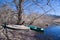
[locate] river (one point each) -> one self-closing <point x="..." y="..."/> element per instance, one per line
<point x="50" y="33"/>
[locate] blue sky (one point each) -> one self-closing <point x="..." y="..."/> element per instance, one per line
<point x="8" y="2"/>
<point x="36" y="9"/>
<point x="55" y="4"/>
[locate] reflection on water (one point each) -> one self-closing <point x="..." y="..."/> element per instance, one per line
<point x="50" y="33"/>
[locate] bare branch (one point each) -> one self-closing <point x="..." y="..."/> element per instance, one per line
<point x="38" y="5"/>
<point x="49" y="4"/>
<point x="39" y="17"/>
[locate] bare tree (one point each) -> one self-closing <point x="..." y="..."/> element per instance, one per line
<point x="19" y="8"/>
<point x="45" y="12"/>
<point x="19" y="5"/>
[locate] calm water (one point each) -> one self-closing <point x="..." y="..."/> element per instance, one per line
<point x="50" y="33"/>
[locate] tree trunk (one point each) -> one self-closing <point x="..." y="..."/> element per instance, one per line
<point x="19" y="12"/>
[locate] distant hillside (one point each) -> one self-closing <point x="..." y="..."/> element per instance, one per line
<point x="55" y="16"/>
<point x="56" y="19"/>
<point x="40" y="21"/>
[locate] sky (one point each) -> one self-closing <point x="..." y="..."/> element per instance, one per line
<point x="55" y="4"/>
<point x="30" y="7"/>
